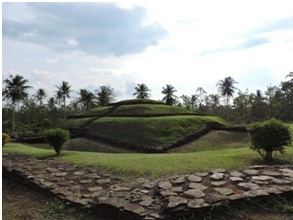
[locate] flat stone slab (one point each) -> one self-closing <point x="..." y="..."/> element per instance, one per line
<point x="197" y="186"/>
<point x="175" y="201"/>
<point x="224" y="191"/>
<point x="250" y="172"/>
<point x="218" y="176"/>
<point x="256" y="193"/>
<point x="103" y="181"/>
<point x="248" y="186"/>
<point x="85" y="181"/>
<point x="147" y="201"/>
<point x="236" y="179"/>
<point x="116" y="202"/>
<point x="194" y="193"/>
<point x="262" y="178"/>
<point x="194" y="178"/>
<point x="272" y="173"/>
<point x="60" y="174"/>
<point x="218" y="183"/>
<point x="179" y="180"/>
<point x="195" y="203"/>
<point x="137" y="209"/>
<point x="95" y="188"/>
<point x="165" y="185"/>
<point x="168" y="193"/>
<point x="236" y="173"/>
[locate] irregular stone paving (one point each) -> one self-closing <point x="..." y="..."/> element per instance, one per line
<point x="150" y="199"/>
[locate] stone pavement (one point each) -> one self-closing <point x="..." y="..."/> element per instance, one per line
<point x="148" y="198"/>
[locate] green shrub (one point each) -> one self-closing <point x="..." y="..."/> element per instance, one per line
<point x="269" y="136"/>
<point x="5" y="139"/>
<point x="56" y="138"/>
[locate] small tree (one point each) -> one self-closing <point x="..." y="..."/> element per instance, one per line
<point x="269" y="136"/>
<point x="5" y="139"/>
<point x="56" y="138"/>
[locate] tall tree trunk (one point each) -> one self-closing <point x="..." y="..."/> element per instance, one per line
<point x="13" y="117"/>
<point x="64" y="102"/>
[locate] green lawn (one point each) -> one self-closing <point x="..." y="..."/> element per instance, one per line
<point x="156" y="165"/>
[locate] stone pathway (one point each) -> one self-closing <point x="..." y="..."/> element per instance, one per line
<point x="145" y="198"/>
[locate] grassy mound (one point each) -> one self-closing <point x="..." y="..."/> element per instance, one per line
<point x="149" y="132"/>
<point x="142" y="125"/>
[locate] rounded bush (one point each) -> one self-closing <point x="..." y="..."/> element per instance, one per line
<point x="269" y="136"/>
<point x="56" y="138"/>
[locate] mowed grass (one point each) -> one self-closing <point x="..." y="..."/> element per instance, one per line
<point x="146" y="109"/>
<point x="149" y="131"/>
<point x="216" y="140"/>
<point x="156" y="165"/>
<point x="71" y="123"/>
<point x="97" y="111"/>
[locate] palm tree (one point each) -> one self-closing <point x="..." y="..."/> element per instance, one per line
<point x="86" y="98"/>
<point x="141" y="91"/>
<point x="51" y="104"/>
<point x="105" y="95"/>
<point x="226" y="88"/>
<point x="169" y="97"/>
<point x="63" y="93"/>
<point x="40" y="95"/>
<point x="290" y="75"/>
<point x="15" y="90"/>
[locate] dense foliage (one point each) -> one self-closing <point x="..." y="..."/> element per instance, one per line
<point x="56" y="138"/>
<point x="269" y="136"/>
<point x="5" y="139"/>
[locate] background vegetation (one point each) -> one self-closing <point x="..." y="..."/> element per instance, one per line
<point x="22" y="112"/>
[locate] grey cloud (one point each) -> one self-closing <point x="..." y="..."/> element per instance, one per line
<point x="250" y="43"/>
<point x="281" y="24"/>
<point x="98" y="28"/>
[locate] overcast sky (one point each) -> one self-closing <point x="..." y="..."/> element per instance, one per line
<point x="187" y="44"/>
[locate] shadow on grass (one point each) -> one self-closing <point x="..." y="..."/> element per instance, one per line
<point x="275" y="161"/>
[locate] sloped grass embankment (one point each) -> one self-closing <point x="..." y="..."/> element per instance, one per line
<point x="149" y="132"/>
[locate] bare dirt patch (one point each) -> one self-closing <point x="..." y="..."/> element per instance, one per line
<point x="20" y="202"/>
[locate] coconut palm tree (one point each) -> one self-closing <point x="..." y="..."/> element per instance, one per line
<point x="86" y="98"/>
<point x="226" y="88"/>
<point x="169" y="97"/>
<point x="105" y="95"/>
<point x="141" y="91"/>
<point x="63" y="92"/>
<point x="290" y="75"/>
<point x="15" y="90"/>
<point x="40" y="95"/>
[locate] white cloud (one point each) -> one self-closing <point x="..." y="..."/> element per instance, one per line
<point x="72" y="42"/>
<point x="187" y="44"/>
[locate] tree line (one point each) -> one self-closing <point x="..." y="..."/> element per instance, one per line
<point x="22" y="112"/>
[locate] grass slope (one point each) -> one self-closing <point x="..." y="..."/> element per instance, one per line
<point x="147" y="109"/>
<point x="156" y="165"/>
<point x="71" y="123"/>
<point x="151" y="131"/>
<point x="96" y="111"/>
<point x="216" y="140"/>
